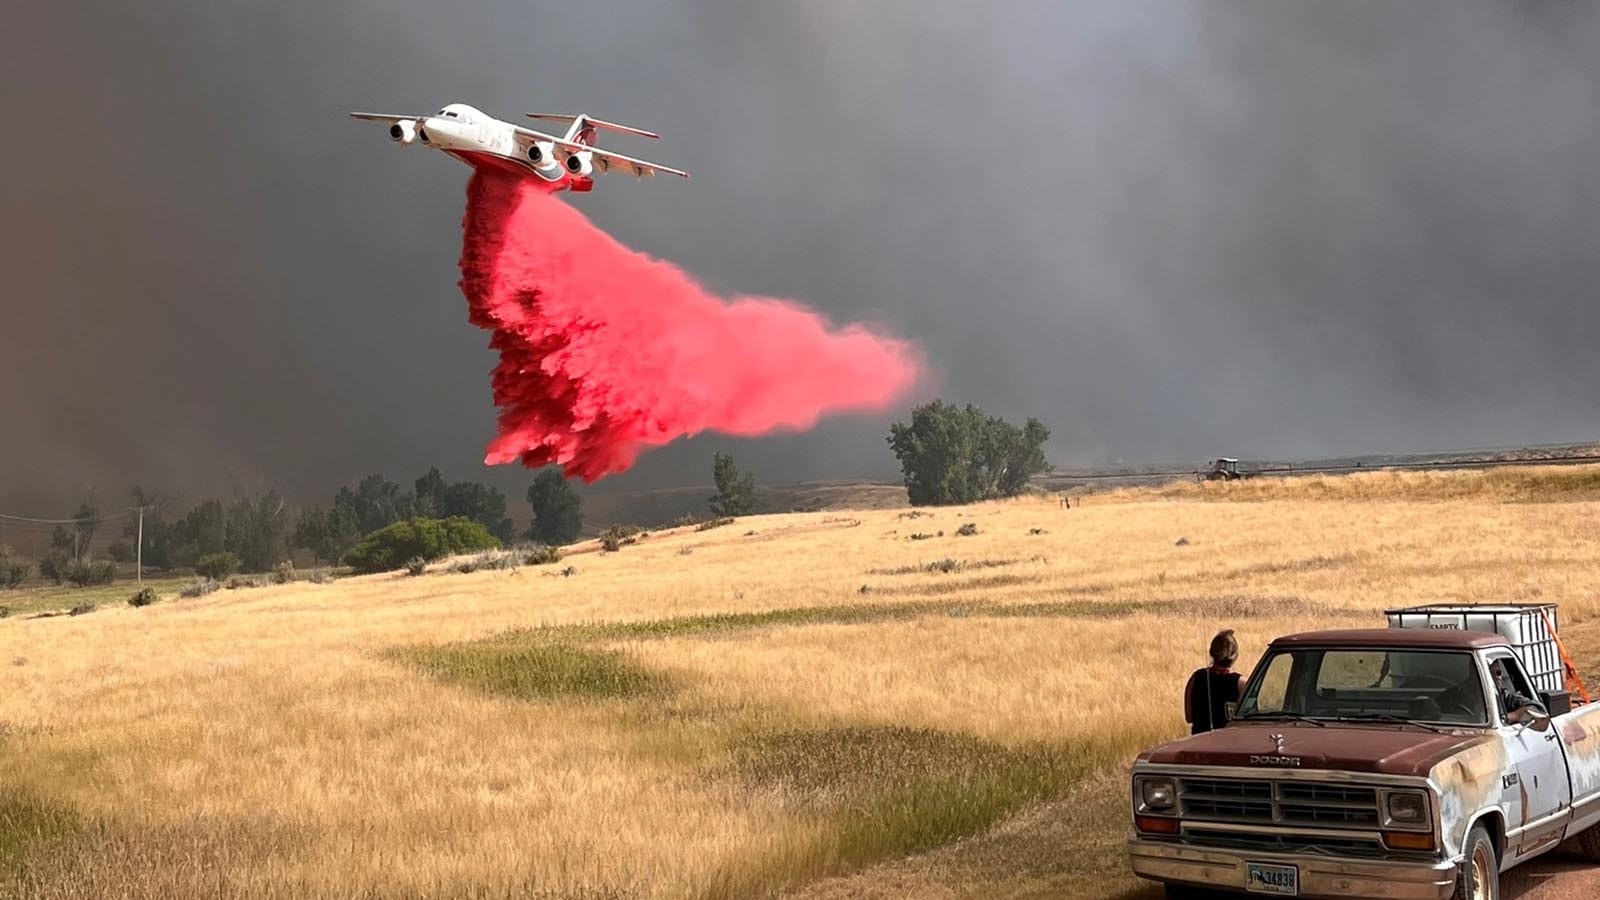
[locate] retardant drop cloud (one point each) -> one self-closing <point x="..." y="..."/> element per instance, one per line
<point x="606" y="352"/>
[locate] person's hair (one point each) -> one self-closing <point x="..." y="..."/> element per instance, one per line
<point x="1224" y="648"/>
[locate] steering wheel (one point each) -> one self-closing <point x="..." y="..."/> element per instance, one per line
<point x="1454" y="707"/>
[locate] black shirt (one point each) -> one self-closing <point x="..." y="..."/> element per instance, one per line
<point x="1207" y="696"/>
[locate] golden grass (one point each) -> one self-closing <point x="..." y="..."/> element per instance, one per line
<point x="293" y="741"/>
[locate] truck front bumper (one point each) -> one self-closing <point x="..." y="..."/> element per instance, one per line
<point x="1320" y="876"/>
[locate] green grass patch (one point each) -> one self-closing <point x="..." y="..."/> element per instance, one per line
<point x="842" y="614"/>
<point x="544" y="670"/>
<point x="36" y="596"/>
<point x="884" y="791"/>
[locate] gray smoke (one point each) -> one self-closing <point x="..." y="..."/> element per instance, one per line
<point x="1171" y="230"/>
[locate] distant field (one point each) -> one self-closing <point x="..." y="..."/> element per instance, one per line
<point x="36" y="598"/>
<point x="860" y="704"/>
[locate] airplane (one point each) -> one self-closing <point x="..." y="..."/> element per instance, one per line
<point x="475" y="138"/>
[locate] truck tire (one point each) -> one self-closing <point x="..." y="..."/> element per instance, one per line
<point x="1480" y="874"/>
<point x="1586" y="844"/>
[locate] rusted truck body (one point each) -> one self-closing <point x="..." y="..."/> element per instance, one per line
<point x="1385" y="763"/>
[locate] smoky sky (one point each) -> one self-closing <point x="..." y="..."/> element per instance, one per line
<point x="1171" y="230"/>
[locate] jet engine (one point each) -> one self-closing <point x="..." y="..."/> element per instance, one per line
<point x="581" y="163"/>
<point x="542" y="153"/>
<point x="403" y="131"/>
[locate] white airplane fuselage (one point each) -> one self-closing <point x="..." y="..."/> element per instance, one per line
<point x="478" y="139"/>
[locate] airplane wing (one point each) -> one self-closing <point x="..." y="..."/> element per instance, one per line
<point x="598" y="123"/>
<point x="604" y="160"/>
<point x="384" y="117"/>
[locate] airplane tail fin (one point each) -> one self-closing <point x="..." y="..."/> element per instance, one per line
<point x="581" y="128"/>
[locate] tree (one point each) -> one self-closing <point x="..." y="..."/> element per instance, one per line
<point x="557" y="509"/>
<point x="62" y="539"/>
<point x="258" y="532"/>
<point x="87" y="521"/>
<point x="430" y="494"/>
<point x="121" y="551"/>
<point x="203" y="531"/>
<point x="482" y="504"/>
<point x="327" y="533"/>
<point x="953" y="455"/>
<point x="157" y="530"/>
<point x="736" y="491"/>
<point x="376" y="503"/>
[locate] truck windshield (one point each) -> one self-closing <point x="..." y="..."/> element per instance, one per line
<point x="1437" y="687"/>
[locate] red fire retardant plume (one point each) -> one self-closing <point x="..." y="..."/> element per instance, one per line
<point x="605" y="352"/>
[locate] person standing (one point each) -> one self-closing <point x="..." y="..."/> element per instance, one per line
<point x="1212" y="688"/>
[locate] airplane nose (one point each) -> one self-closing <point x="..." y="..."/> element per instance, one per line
<point x="439" y="130"/>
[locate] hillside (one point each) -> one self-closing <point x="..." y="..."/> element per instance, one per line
<point x="826" y="703"/>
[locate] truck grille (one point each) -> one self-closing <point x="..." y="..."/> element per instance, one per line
<point x="1287" y="843"/>
<point x="1263" y="802"/>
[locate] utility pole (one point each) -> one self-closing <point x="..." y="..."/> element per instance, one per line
<point x="138" y="570"/>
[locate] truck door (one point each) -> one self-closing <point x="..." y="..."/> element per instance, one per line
<point x="1536" y="757"/>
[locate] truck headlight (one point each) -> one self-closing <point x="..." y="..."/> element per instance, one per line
<point x="1158" y="795"/>
<point x="1407" y="810"/>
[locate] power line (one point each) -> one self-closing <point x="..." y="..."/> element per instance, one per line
<point x="77" y="521"/>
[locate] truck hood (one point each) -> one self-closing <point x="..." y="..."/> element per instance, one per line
<point x="1384" y="749"/>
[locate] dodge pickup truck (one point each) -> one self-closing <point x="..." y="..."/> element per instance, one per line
<point x="1387" y="763"/>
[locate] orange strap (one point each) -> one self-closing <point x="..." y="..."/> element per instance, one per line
<point x="1574" y="680"/>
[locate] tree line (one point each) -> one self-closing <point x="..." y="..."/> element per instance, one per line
<point x="948" y="454"/>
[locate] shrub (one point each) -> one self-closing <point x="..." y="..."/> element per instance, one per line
<point x="82" y="609"/>
<point x="216" y="566"/>
<point x="199" y="588"/>
<point x="83" y="573"/>
<point x="416" y="565"/>
<point x="968" y="529"/>
<point x="542" y="556"/>
<point x="245" y="581"/>
<point x="5" y="611"/>
<point x="618" y="536"/>
<point x="490" y="560"/>
<point x="388" y="549"/>
<point x="13" y="572"/>
<point x="321" y="576"/>
<point x="54" y="567"/>
<point x="121" y="551"/>
<point x="714" y="523"/>
<point x="144" y="597"/>
<point x="283" y="572"/>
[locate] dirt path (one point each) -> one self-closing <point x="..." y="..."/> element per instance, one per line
<point x="1555" y="878"/>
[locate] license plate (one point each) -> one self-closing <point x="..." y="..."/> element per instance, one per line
<point x="1264" y="879"/>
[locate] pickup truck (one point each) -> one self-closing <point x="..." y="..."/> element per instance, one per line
<point x="1387" y="763"/>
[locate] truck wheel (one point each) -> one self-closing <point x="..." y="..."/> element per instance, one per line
<point x="1480" y="874"/>
<point x="1586" y="844"/>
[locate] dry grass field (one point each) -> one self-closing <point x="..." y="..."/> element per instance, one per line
<point x="835" y="704"/>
